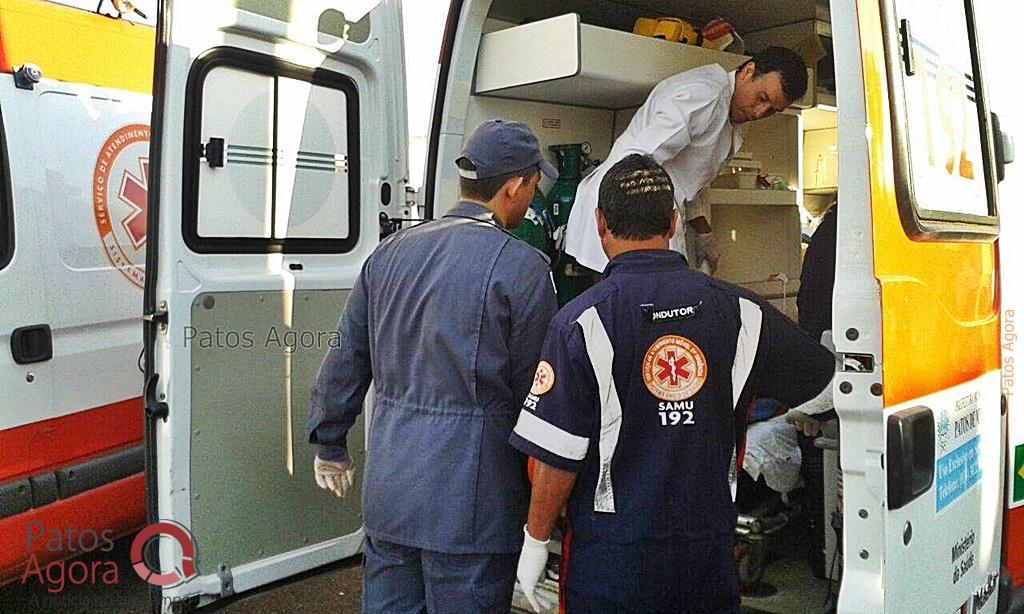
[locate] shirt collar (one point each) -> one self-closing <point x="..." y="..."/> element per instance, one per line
<point x="738" y="131"/>
<point x="474" y="211"/>
<point x="645" y="260"/>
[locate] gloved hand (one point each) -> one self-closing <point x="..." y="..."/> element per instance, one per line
<point x="532" y="561"/>
<point x="705" y="249"/>
<point x="808" y="425"/>
<point x="333" y="476"/>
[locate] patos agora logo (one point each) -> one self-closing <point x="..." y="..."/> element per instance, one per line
<point x="180" y="574"/>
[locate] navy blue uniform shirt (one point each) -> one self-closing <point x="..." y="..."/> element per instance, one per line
<point x="643" y="389"/>
<point x="447" y="320"/>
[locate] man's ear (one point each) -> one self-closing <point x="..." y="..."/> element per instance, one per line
<point x="602" y="224"/>
<point x="672" y="224"/>
<point x="512" y="186"/>
<point x="748" y="71"/>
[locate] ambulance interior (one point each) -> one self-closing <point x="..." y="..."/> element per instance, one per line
<point x="576" y="73"/>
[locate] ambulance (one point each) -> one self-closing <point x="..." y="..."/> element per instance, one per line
<point x="277" y="159"/>
<point x="74" y="151"/>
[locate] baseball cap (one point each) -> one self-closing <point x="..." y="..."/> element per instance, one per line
<point x="498" y="147"/>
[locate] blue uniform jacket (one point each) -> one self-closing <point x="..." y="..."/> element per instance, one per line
<point x="643" y="391"/>
<point x="447" y="320"/>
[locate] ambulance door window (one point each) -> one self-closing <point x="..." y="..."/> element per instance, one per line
<point x="6" y="207"/>
<point x="236" y="182"/>
<point x="942" y="147"/>
<point x="276" y="167"/>
<point x="312" y="175"/>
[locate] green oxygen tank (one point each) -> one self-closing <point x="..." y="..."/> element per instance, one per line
<point x="571" y="279"/>
<point x="536" y="229"/>
<point x="571" y="158"/>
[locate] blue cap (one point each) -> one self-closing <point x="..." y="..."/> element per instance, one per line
<point x="498" y="147"/>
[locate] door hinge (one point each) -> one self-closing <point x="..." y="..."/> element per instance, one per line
<point x="157" y="316"/>
<point x="27" y="76"/>
<point x="155" y="407"/>
<point x="227" y="583"/>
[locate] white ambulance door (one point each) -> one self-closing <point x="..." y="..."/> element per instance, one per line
<point x="278" y="140"/>
<point x="916" y="316"/>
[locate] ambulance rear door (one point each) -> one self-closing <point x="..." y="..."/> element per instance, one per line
<point x="279" y="139"/>
<point x="916" y="318"/>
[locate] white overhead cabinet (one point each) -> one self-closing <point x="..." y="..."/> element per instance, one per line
<point x="564" y="61"/>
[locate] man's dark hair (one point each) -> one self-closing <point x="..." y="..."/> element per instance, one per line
<point x="791" y="68"/>
<point x="485" y="189"/>
<point x="636" y="198"/>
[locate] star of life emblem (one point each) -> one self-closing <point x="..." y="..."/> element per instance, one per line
<point x="120" y="191"/>
<point x="674" y="368"/>
<point x="543" y="379"/>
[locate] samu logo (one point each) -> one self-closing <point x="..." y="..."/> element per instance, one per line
<point x="157" y="577"/>
<point x="120" y="188"/>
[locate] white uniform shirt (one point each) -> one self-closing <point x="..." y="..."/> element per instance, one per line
<point x="684" y="125"/>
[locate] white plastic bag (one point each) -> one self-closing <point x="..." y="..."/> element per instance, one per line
<point x="773" y="451"/>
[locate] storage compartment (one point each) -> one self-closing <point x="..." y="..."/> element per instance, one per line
<point x="564" y="61"/>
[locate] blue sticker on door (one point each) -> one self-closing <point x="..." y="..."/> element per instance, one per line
<point x="956" y="473"/>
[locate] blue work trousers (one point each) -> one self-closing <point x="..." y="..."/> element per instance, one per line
<point x="403" y="580"/>
<point x="661" y="577"/>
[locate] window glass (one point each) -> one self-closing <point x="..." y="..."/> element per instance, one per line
<point x="286" y="164"/>
<point x="312" y="174"/>
<point x="236" y="200"/>
<point x="944" y="139"/>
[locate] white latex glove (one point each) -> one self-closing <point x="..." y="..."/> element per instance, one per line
<point x="705" y="249"/>
<point x="333" y="476"/>
<point x="532" y="561"/>
<point x="804" y="423"/>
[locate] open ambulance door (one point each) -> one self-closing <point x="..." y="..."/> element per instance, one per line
<point x="279" y="138"/>
<point x="916" y="317"/>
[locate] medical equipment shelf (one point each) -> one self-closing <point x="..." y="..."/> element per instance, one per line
<point x="563" y="61"/>
<point x="726" y="196"/>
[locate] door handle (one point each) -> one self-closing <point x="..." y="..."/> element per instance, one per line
<point x="910" y="455"/>
<point x="32" y="344"/>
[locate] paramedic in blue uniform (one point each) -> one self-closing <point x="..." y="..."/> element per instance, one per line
<point x="447" y="320"/>
<point x="637" y="410"/>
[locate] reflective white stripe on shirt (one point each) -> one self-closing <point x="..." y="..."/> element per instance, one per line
<point x="743" y="362"/>
<point x="733" y="474"/>
<point x="548" y="436"/>
<point x="746" y="347"/>
<point x="599" y="349"/>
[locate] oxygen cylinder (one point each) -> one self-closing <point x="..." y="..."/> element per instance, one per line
<point x="570" y="278"/>
<point x="536" y="228"/>
<point x="570" y="158"/>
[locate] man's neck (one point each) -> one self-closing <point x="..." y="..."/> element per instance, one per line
<point x="489" y="206"/>
<point x="617" y="247"/>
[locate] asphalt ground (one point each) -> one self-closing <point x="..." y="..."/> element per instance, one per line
<point x="337" y="590"/>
